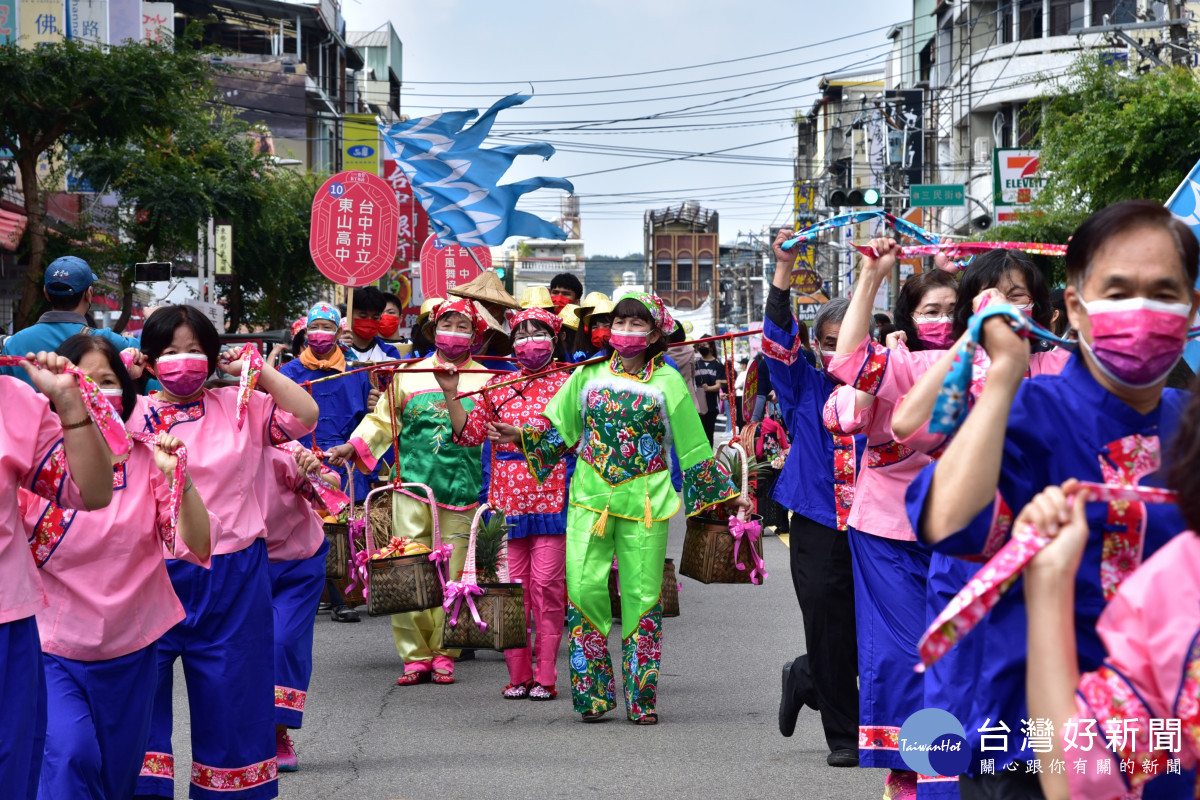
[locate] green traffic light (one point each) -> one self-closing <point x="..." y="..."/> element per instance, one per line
<point x="870" y="196"/>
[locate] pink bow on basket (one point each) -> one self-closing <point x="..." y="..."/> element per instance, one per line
<point x="751" y="531"/>
<point x="440" y="556"/>
<point x="178" y="479"/>
<point x="455" y="592"/>
<point x="984" y="590"/>
<point x="252" y="365"/>
<point x="111" y="426"/>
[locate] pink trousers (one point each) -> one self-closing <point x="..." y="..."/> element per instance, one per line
<point x="539" y="562"/>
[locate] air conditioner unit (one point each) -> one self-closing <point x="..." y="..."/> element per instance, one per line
<point x="983" y="149"/>
<point x="570" y="258"/>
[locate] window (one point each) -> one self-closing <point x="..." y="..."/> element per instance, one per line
<point x="1031" y="19"/>
<point x="683" y="272"/>
<point x="1065" y="15"/>
<point x="662" y="273"/>
<point x="1117" y="11"/>
<point x="1005" y="17"/>
<point x="704" y="276"/>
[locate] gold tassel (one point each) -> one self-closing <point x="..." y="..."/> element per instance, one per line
<point x="648" y="517"/>
<point x="601" y="523"/>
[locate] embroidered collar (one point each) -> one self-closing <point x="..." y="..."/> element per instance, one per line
<point x="162" y="419"/>
<point x="617" y="367"/>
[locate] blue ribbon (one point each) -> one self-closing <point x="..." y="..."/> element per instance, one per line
<point x="950" y="408"/>
<point x="902" y="226"/>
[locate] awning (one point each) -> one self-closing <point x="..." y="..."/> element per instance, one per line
<point x="12" y="228"/>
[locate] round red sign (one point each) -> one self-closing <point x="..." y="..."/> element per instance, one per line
<point x="352" y="238"/>
<point x="444" y="266"/>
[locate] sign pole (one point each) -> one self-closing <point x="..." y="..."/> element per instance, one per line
<point x="475" y="258"/>
<point x="350" y="308"/>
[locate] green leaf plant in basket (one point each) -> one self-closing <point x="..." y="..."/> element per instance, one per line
<point x="489" y="547"/>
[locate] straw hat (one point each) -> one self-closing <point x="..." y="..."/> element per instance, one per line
<point x="427" y="308"/>
<point x="596" y="303"/>
<point x="536" y="297"/>
<point x="488" y="288"/>
<point x="571" y="316"/>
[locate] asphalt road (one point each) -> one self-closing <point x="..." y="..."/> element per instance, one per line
<point x="365" y="738"/>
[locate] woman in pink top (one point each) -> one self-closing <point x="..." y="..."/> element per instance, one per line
<point x="29" y="430"/>
<point x="1149" y="685"/>
<point x="227" y="668"/>
<point x="110" y="598"/>
<point x="296" y="550"/>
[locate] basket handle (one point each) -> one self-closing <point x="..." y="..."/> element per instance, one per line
<point x="736" y="447"/>
<point x="469" y="575"/>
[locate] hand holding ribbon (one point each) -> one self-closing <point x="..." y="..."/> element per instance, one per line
<point x="178" y="480"/>
<point x="983" y="591"/>
<point x="111" y="426"/>
<point x="247" y="365"/>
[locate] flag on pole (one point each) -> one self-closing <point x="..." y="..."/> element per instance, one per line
<point x="456" y="179"/>
<point x="1185" y="205"/>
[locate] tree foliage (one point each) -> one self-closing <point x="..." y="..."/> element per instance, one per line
<point x="66" y="95"/>
<point x="1106" y="136"/>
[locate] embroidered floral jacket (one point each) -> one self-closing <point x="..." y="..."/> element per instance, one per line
<point x="624" y="426"/>
<point x="1061" y="426"/>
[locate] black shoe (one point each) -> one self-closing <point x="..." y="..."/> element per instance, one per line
<point x="789" y="706"/>
<point x="324" y="606"/>
<point x="842" y="758"/>
<point x="465" y="655"/>
<point x="343" y="614"/>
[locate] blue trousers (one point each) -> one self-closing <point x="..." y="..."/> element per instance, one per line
<point x="889" y="610"/>
<point x="295" y="592"/>
<point x="228" y="669"/>
<point x="98" y="719"/>
<point x="22" y="708"/>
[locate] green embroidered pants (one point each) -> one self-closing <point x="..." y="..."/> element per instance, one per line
<point x="640" y="554"/>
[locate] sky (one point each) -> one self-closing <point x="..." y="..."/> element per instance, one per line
<point x="627" y="53"/>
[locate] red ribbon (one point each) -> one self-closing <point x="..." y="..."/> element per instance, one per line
<point x="178" y="479"/>
<point x="252" y="366"/>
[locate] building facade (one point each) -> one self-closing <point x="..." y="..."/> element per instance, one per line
<point x="682" y="252"/>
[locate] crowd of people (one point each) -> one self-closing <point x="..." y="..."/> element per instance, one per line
<point x="195" y="533"/>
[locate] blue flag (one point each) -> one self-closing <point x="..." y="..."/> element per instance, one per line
<point x="457" y="180"/>
<point x="1185" y="204"/>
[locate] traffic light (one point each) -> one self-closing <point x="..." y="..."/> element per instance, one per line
<point x="506" y="277"/>
<point x="853" y="198"/>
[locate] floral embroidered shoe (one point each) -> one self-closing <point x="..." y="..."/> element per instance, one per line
<point x="516" y="691"/>
<point x="900" y="785"/>
<point x="285" y="752"/>
<point x="540" y="692"/>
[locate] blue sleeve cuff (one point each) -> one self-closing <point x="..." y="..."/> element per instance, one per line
<point x="970" y="541"/>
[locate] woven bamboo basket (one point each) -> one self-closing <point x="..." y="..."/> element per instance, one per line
<point x="337" y="560"/>
<point x="500" y="607"/>
<point x="399" y="584"/>
<point x="669" y="597"/>
<point x="708" y="546"/>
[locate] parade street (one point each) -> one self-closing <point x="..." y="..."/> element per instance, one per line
<point x="365" y="738"/>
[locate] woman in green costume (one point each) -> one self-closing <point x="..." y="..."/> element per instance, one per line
<point x="623" y="415"/>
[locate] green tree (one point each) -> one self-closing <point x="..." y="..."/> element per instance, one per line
<point x="69" y="95"/>
<point x="1108" y="137"/>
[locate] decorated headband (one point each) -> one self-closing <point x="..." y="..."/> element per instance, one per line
<point x="111" y="426"/>
<point x="950" y="408"/>
<point x="465" y="307"/>
<point x="535" y="314"/>
<point x="658" y="311"/>
<point x="178" y="479"/>
<point x="324" y="311"/>
<point x="983" y="591"/>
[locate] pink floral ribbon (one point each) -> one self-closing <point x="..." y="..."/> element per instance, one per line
<point x="111" y="426"/>
<point x="440" y="556"/>
<point x="334" y="501"/>
<point x="178" y="480"/>
<point x="455" y="592"/>
<point x="359" y="559"/>
<point x="252" y="366"/>
<point x="957" y="250"/>
<point x="983" y="591"/>
<point x="750" y="531"/>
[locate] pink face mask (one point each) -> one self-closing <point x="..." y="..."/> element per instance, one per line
<point x="453" y="345"/>
<point x="629" y="343"/>
<point x="116" y="399"/>
<point x="321" y="341"/>
<point x="534" y="352"/>
<point x="182" y="374"/>
<point x="1136" y="342"/>
<point x="935" y="333"/>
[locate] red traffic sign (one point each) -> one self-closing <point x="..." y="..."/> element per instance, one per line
<point x="352" y="238"/>
<point x="444" y="266"/>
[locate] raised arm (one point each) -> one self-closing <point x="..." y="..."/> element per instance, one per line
<point x="88" y="458"/>
<point x="856" y="326"/>
<point x="288" y="395"/>
<point x="968" y="473"/>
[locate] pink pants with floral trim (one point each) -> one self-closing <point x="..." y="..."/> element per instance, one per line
<point x="539" y="562"/>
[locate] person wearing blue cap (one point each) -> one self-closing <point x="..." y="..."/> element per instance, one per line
<point x="68" y="287"/>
